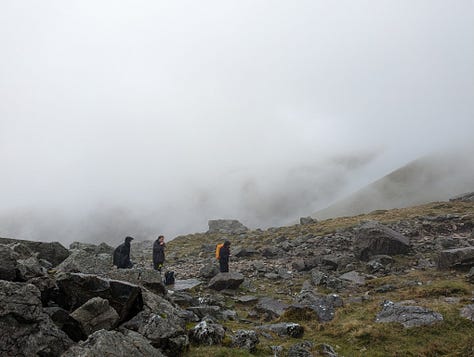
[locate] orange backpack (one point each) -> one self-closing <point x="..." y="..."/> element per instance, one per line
<point x="218" y="250"/>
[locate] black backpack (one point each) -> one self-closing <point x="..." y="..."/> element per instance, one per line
<point x="169" y="278"/>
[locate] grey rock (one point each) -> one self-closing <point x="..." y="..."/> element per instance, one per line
<point x="223" y="281"/>
<point x="63" y="320"/>
<point x="209" y="270"/>
<point x="164" y="332"/>
<point x="82" y="261"/>
<point x="470" y="275"/>
<point x="284" y="329"/>
<point x="323" y="305"/>
<point x="102" y="343"/>
<point x="92" y="248"/>
<point x="207" y="332"/>
<point x="24" y="329"/>
<point x="301" y="349"/>
<point x="270" y="307"/>
<point x="373" y="238"/>
<point x="456" y="258"/>
<point x="326" y="350"/>
<point x="53" y="252"/>
<point x="308" y="220"/>
<point x="353" y="277"/>
<point x="468" y="312"/>
<point x="464" y="197"/>
<point x="96" y="314"/>
<point x="270" y="252"/>
<point x="211" y="310"/>
<point x="226" y="226"/>
<point x="408" y="316"/>
<point x="245" y="339"/>
<point x="8" y="263"/>
<point x="29" y="268"/>
<point x="76" y="289"/>
<point x="148" y="278"/>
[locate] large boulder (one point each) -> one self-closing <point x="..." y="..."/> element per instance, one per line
<point x="223" y="281"/>
<point x="63" y="320"/>
<point x="96" y="314"/>
<point x="456" y="258"/>
<point x="92" y="248"/>
<point x="209" y="270"/>
<point x="76" y="289"/>
<point x="290" y="329"/>
<point x="114" y="343"/>
<point x="408" y="316"/>
<point x="54" y="252"/>
<point x="207" y="332"/>
<point x="82" y="261"/>
<point x="29" y="268"/>
<point x="148" y="278"/>
<point x="373" y="238"/>
<point x="24" y="329"/>
<point x="226" y="226"/>
<point x="270" y="308"/>
<point x="323" y="305"/>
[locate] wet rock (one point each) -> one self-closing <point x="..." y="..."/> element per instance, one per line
<point x="24" y="329"/>
<point x="408" y="316"/>
<point x="271" y="308"/>
<point x="96" y="314"/>
<point x="373" y="238"/>
<point x="76" y="289"/>
<point x="468" y="312"/>
<point x="102" y="342"/>
<point x="456" y="258"/>
<point x="53" y="252"/>
<point x="207" y="332"/>
<point x="223" y="281"/>
<point x="284" y="329"/>
<point x="245" y="339"/>
<point x="226" y="226"/>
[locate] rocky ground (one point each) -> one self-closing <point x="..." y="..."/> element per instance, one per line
<point x="389" y="283"/>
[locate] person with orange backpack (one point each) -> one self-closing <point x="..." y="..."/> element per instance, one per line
<point x="223" y="254"/>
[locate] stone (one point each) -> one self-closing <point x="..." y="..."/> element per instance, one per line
<point x="301" y="349"/>
<point x="53" y="252"/>
<point x="307" y="220"/>
<point x="223" y="281"/>
<point x="270" y="307"/>
<point x="63" y="320"/>
<point x="284" y="329"/>
<point x="323" y="305"/>
<point x="408" y="316"/>
<point x="456" y="258"/>
<point x="207" y="332"/>
<point x="92" y="248"/>
<point x="29" y="268"/>
<point x="470" y="276"/>
<point x="76" y="289"/>
<point x="24" y="329"/>
<point x="245" y="339"/>
<point x="468" y="312"/>
<point x="209" y="270"/>
<point x="464" y="197"/>
<point x="226" y="226"/>
<point x="353" y="277"/>
<point x="82" y="261"/>
<point x="103" y="342"/>
<point x="96" y="314"/>
<point x="270" y="252"/>
<point x="8" y="263"/>
<point x="373" y="238"/>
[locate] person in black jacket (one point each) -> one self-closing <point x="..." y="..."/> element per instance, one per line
<point x="224" y="255"/>
<point x="122" y="255"/>
<point x="159" y="253"/>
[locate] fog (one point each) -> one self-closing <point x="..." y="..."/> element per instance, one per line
<point x="151" y="117"/>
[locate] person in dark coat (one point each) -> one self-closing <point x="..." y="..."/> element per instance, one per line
<point x="159" y="253"/>
<point x="122" y="255"/>
<point x="224" y="255"/>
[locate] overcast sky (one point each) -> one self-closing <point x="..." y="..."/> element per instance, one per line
<point x="147" y="117"/>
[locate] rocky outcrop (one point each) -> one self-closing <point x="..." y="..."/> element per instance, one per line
<point x="53" y="252"/>
<point x="24" y="329"/>
<point x="373" y="238"/>
<point x="323" y="305"/>
<point x="226" y="226"/>
<point x="464" y="197"/>
<point x="456" y="258"/>
<point x="92" y="248"/>
<point x="408" y="316"/>
<point x="245" y="339"/>
<point x="270" y="308"/>
<point x="81" y="261"/>
<point x="307" y="220"/>
<point x="8" y="263"/>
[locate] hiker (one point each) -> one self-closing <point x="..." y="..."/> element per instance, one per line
<point x="224" y="254"/>
<point x="159" y="253"/>
<point x="122" y="255"/>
